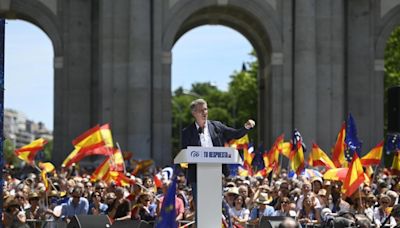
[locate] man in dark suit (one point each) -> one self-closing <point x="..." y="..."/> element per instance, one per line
<point x="208" y="133"/>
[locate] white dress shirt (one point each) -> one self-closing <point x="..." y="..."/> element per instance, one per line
<point x="205" y="137"/>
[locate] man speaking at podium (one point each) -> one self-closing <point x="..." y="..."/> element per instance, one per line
<point x="208" y="133"/>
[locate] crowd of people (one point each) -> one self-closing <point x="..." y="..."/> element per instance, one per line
<point x="245" y="200"/>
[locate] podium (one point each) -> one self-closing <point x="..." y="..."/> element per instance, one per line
<point x="209" y="162"/>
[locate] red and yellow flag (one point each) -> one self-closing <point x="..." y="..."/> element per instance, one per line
<point x="91" y="138"/>
<point x="46" y="166"/>
<point x="43" y="174"/>
<point x="355" y="176"/>
<point x="120" y="179"/>
<point x="338" y="157"/>
<point x="102" y="171"/>
<point x="396" y="164"/>
<point x="374" y="156"/>
<point x="319" y="158"/>
<point x="297" y="159"/>
<point x="95" y="141"/>
<point x="241" y="143"/>
<point x="117" y="161"/>
<point x="285" y="148"/>
<point x="245" y="170"/>
<point x="273" y="154"/>
<point x="28" y="152"/>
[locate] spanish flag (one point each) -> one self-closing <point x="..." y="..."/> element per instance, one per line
<point x="95" y="141"/>
<point x="117" y="161"/>
<point x="273" y="154"/>
<point x="28" y="152"/>
<point x="374" y="156"/>
<point x="396" y="164"/>
<point x="142" y="166"/>
<point x="90" y="138"/>
<point x="319" y="158"/>
<point x="102" y="171"/>
<point x="47" y="166"/>
<point x="297" y="159"/>
<point x="355" y="176"/>
<point x="241" y="143"/>
<point x="43" y="174"/>
<point x="120" y="179"/>
<point x="285" y="148"/>
<point x="338" y="157"/>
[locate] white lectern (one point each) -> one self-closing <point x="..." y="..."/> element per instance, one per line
<point x="209" y="162"/>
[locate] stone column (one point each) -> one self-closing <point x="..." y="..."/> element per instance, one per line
<point x="139" y="80"/>
<point x="305" y="99"/>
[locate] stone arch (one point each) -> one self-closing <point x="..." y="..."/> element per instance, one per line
<point x="255" y="20"/>
<point x="39" y="15"/>
<point x="389" y="22"/>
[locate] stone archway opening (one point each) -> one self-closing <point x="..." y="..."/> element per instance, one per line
<point x="392" y="67"/>
<point x="247" y="24"/>
<point x="29" y="84"/>
<point x="212" y="62"/>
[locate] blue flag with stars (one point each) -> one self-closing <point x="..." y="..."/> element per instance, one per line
<point x="258" y="160"/>
<point x="167" y="217"/>
<point x="392" y="143"/>
<point x="353" y="145"/>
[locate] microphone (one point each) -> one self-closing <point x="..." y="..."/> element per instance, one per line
<point x="200" y="130"/>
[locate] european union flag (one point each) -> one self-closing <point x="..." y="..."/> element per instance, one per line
<point x="392" y="143"/>
<point x="167" y="217"/>
<point x="353" y="145"/>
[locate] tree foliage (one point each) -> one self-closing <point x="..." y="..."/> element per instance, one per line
<point x="233" y="107"/>
<point x="9" y="156"/>
<point x="392" y="65"/>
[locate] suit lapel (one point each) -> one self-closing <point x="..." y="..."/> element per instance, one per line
<point x="195" y="135"/>
<point x="213" y="135"/>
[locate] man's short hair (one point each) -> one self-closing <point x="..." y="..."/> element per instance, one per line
<point x="196" y="102"/>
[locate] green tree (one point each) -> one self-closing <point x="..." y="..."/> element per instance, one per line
<point x="9" y="155"/>
<point x="244" y="93"/>
<point x="48" y="150"/>
<point x="233" y="107"/>
<point x="392" y="65"/>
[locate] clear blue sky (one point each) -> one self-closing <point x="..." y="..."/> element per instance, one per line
<point x="204" y="54"/>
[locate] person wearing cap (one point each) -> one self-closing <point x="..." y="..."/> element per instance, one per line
<point x="13" y="216"/>
<point x="230" y="195"/>
<point x="382" y="213"/>
<point x="34" y="211"/>
<point x="316" y="184"/>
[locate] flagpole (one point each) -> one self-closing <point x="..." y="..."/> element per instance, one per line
<point x="359" y="195"/>
<point x="374" y="174"/>
<point x="51" y="182"/>
<point x="123" y="163"/>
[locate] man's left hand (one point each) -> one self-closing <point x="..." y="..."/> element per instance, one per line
<point x="250" y="124"/>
